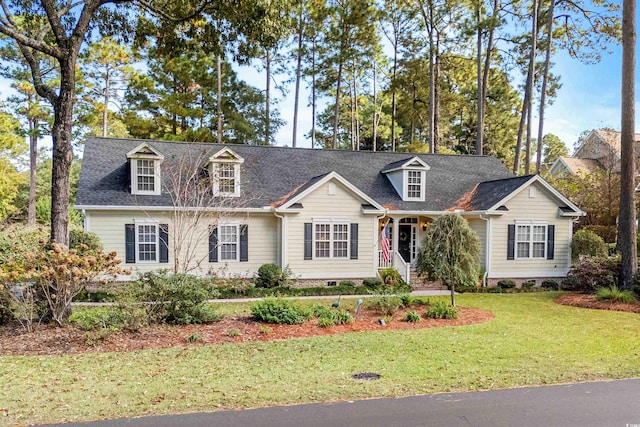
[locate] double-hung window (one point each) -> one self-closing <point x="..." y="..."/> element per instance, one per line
<point x="414" y="184"/>
<point x="147" y="239"/>
<point x="226" y="179"/>
<point x="331" y="240"/>
<point x="531" y="240"/>
<point x="229" y="242"/>
<point x="145" y="176"/>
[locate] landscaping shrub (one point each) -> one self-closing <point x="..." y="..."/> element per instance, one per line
<point x="587" y="243"/>
<point x="606" y="232"/>
<point x="325" y="322"/>
<point x="390" y="276"/>
<point x="347" y="284"/>
<point x="385" y="304"/>
<point x="590" y="274"/>
<point x="276" y="310"/>
<point x="176" y="299"/>
<point x="95" y="318"/>
<point x="328" y="317"/>
<point x="5" y="310"/>
<point x="407" y="300"/>
<point x="528" y="285"/>
<point x="55" y="275"/>
<point x="466" y="288"/>
<point x="372" y="282"/>
<point x="271" y="276"/>
<point x="412" y="316"/>
<point x="440" y="310"/>
<point x="549" y="284"/>
<point x="506" y="284"/>
<point x="613" y="294"/>
<point x="78" y="238"/>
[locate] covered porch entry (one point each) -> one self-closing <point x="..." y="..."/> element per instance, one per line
<point x="399" y="241"/>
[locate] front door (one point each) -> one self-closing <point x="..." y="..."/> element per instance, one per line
<point x="404" y="242"/>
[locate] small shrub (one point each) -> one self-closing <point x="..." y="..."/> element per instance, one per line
<point x="5" y="310"/>
<point x="264" y="330"/>
<point x="407" y="300"/>
<point x="372" y="282"/>
<point x="528" y="285"/>
<point x="280" y="311"/>
<point x="613" y="294"/>
<point x="390" y="276"/>
<point x="587" y="243"/>
<point x="385" y="304"/>
<point x="342" y="317"/>
<point x="96" y="336"/>
<point x="176" y="299"/>
<point x="80" y="238"/>
<point x="271" y="276"/>
<point x="94" y="318"/>
<point x="440" y="310"/>
<point x="507" y="284"/>
<point x="235" y="332"/>
<point x="466" y="288"/>
<point x="325" y="322"/>
<point x="347" y="284"/>
<point x="590" y="274"/>
<point x="337" y="317"/>
<point x="412" y="316"/>
<point x="549" y="284"/>
<point x="195" y="337"/>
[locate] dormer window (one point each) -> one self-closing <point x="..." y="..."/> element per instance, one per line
<point x="225" y="173"/>
<point x="408" y="178"/>
<point x="415" y="181"/>
<point x="145" y="170"/>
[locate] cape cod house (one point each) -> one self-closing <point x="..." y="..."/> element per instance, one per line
<point x="319" y="212"/>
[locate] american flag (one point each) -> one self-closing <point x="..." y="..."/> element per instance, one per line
<point x="384" y="243"/>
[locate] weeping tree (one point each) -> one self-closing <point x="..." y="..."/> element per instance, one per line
<point x="450" y="252"/>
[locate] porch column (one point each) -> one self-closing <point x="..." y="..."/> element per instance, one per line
<point x="396" y="231"/>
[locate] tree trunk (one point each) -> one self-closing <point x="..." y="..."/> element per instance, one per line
<point x="530" y="81"/>
<point x="336" y="116"/>
<point x="480" y="120"/>
<point x="393" y="96"/>
<point x="436" y="97"/>
<point x="106" y="103"/>
<point x="313" y="95"/>
<point x="62" y="152"/>
<point x="432" y="81"/>
<point x="375" y="109"/>
<point x="298" y="75"/>
<point x="219" y="96"/>
<point x="627" y="223"/>
<point x="545" y="75"/>
<point x="267" y="123"/>
<point x="33" y="164"/>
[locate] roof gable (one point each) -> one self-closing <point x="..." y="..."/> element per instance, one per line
<point x="414" y="162"/>
<point x="226" y="155"/>
<point x="144" y="150"/>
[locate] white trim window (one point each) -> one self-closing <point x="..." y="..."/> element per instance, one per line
<point x="331" y="239"/>
<point x="229" y="242"/>
<point x="145" y="176"/>
<point x="414" y="185"/>
<point x="531" y="241"/>
<point x="147" y="242"/>
<point x="226" y="179"/>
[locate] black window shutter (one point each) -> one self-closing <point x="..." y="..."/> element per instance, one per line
<point x="213" y="244"/>
<point x="164" y="243"/>
<point x="130" y="243"/>
<point x="244" y="243"/>
<point x="551" y="235"/>
<point x="354" y="241"/>
<point x="511" y="241"/>
<point x="308" y="240"/>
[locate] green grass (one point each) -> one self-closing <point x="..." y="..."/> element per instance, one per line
<point x="531" y="341"/>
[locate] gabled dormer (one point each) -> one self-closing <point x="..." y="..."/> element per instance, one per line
<point x="408" y="178"/>
<point x="224" y="169"/>
<point x="144" y="162"/>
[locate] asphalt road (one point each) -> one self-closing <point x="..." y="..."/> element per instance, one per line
<point x="595" y="404"/>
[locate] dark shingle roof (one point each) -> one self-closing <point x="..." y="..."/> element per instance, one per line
<point x="488" y="193"/>
<point x="273" y="174"/>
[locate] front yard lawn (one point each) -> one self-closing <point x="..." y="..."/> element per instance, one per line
<point x="530" y="341"/>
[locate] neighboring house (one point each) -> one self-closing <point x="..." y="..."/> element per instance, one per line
<point x="599" y="150"/>
<point x="320" y="212"/>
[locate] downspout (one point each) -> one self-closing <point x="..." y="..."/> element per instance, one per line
<point x="85" y="221"/>
<point x="283" y="239"/>
<point x="487" y="255"/>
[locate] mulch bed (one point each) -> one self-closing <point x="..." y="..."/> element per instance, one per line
<point x="589" y="301"/>
<point x="49" y="340"/>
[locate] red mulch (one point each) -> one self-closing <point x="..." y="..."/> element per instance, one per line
<point x="589" y="301"/>
<point x="48" y="340"/>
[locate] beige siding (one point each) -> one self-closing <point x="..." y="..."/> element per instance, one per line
<point x="522" y="207"/>
<point x="480" y="227"/>
<point x="318" y="206"/>
<point x="262" y="240"/>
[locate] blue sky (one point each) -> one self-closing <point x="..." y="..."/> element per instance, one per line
<point x="589" y="98"/>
